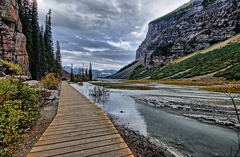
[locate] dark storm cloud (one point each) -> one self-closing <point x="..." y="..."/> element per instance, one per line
<point x="104" y="32"/>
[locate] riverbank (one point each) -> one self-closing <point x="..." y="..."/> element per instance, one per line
<point x="223" y="115"/>
<point x="142" y="146"/>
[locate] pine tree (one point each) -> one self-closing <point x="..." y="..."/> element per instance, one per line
<point x="86" y="73"/>
<point x="25" y="17"/>
<point x="58" y="58"/>
<point x="43" y="60"/>
<point x="90" y="72"/>
<point x="49" y="43"/>
<point x="41" y="55"/>
<point x="71" y="76"/>
<point x="36" y="50"/>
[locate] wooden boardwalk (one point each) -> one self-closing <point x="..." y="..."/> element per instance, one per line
<point x="79" y="129"/>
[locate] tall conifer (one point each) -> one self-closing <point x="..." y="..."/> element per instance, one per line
<point x="58" y="58"/>
<point x="49" y="42"/>
<point x="90" y="72"/>
<point x="36" y="50"/>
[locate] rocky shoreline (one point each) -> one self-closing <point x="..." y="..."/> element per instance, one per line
<point x="143" y="146"/>
<point x="218" y="115"/>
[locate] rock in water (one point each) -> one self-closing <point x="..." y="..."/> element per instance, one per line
<point x="12" y="41"/>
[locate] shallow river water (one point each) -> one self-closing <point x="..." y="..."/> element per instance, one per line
<point x="186" y="135"/>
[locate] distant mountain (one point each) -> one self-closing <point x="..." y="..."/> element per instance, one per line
<point x="96" y="73"/>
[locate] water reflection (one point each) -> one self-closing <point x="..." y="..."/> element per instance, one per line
<point x="101" y="100"/>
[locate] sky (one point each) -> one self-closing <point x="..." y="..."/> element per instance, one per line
<point x="106" y="33"/>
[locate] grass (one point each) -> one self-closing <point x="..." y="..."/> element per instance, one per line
<point x="175" y="82"/>
<point x="122" y="86"/>
<point x="222" y="89"/>
<point x="198" y="65"/>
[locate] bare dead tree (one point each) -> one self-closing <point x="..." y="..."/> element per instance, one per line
<point x="232" y="91"/>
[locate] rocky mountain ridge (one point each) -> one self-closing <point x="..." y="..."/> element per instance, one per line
<point x="192" y="27"/>
<point x="12" y="41"/>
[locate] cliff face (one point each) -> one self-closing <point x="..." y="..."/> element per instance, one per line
<point x="190" y="28"/>
<point x="12" y="41"/>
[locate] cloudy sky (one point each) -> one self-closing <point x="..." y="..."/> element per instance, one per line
<point x="104" y="32"/>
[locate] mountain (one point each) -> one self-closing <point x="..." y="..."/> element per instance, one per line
<point x="13" y="41"/>
<point x="96" y="73"/>
<point x="183" y="33"/>
<point x="194" y="26"/>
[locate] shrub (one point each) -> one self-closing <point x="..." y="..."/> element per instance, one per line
<point x="19" y="111"/>
<point x="10" y="67"/>
<point x="50" y="81"/>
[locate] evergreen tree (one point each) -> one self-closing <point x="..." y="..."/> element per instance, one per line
<point x="71" y="76"/>
<point x="90" y="72"/>
<point x="25" y="17"/>
<point x="58" y="58"/>
<point x="42" y="55"/>
<point x="49" y="43"/>
<point x="36" y="49"/>
<point x="86" y="73"/>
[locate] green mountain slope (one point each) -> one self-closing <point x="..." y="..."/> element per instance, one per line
<point x="224" y="61"/>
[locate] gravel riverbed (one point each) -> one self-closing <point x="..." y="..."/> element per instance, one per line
<point x="223" y="115"/>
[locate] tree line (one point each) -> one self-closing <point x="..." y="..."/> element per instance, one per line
<point x="42" y="58"/>
<point x="84" y="74"/>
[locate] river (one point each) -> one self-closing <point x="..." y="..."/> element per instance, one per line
<point x="184" y="134"/>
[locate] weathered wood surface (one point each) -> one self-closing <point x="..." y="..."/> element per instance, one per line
<point x="80" y="128"/>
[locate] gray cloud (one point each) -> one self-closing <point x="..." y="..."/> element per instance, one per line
<point x="104" y="32"/>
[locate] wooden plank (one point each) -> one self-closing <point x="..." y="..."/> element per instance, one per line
<point x="84" y="149"/>
<point x="76" y="142"/>
<point x="81" y="134"/>
<point x="97" y="151"/>
<point x="97" y="126"/>
<point x="71" y="138"/>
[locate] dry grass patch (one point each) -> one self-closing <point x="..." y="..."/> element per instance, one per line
<point x="122" y="86"/>
<point x="176" y="82"/>
<point x="227" y="88"/>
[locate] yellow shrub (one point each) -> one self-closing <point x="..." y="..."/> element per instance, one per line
<point x="50" y="81"/>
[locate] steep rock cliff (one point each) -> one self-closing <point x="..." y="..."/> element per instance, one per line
<point x="191" y="27"/>
<point x="12" y="41"/>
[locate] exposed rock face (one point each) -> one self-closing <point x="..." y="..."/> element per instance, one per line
<point x="190" y="28"/>
<point x="12" y="41"/>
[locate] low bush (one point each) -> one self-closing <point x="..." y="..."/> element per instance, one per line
<point x="50" y="81"/>
<point x="19" y="110"/>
